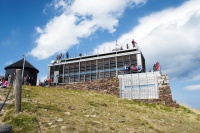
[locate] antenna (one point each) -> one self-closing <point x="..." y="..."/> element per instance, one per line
<point x="116" y="48"/>
<point x="24" y="60"/>
<point x="116" y="44"/>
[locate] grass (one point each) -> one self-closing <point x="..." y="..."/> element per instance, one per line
<point x="61" y="110"/>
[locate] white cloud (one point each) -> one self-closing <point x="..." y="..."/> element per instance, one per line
<point x="38" y="30"/>
<point x="170" y="37"/>
<point x="64" y="30"/>
<point x="192" y="87"/>
<point x="60" y="4"/>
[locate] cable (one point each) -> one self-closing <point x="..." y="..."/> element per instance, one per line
<point x="6" y="98"/>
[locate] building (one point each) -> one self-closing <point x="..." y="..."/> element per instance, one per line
<point x="92" y="67"/>
<point x="28" y="70"/>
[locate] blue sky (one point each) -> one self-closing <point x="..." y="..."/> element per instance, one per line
<point x="166" y="31"/>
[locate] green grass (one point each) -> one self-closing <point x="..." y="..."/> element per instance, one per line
<point x="22" y="122"/>
<point x="87" y="111"/>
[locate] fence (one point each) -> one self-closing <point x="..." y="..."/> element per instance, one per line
<point x="139" y="86"/>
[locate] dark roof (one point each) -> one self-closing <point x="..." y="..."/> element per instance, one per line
<point x="19" y="64"/>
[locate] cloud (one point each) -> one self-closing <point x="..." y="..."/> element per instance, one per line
<point x="170" y="37"/>
<point x="64" y="30"/>
<point x="192" y="87"/>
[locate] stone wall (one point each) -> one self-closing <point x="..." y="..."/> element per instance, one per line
<point x="108" y="85"/>
<point x="165" y="94"/>
<point x="111" y="86"/>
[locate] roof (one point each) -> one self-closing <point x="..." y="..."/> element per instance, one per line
<point x="98" y="56"/>
<point x="19" y="64"/>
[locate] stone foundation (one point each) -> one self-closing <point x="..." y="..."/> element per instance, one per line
<point x="111" y="86"/>
<point x="108" y="85"/>
<point x="165" y="95"/>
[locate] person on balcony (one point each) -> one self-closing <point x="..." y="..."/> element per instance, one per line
<point x="154" y="67"/>
<point x="129" y="68"/>
<point x="157" y="66"/>
<point x="134" y="68"/>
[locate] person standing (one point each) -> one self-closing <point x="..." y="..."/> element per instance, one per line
<point x="125" y="69"/>
<point x="133" y="43"/>
<point x="27" y="79"/>
<point x="129" y="68"/>
<point x="67" y="55"/>
<point x="157" y="66"/>
<point x="127" y="46"/>
<point x="5" y="84"/>
<point x="154" y="67"/>
<point x="134" y="68"/>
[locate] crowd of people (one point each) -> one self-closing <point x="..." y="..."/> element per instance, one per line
<point x="156" y="67"/>
<point x="28" y="80"/>
<point x="46" y="82"/>
<point x="132" y="69"/>
<point x="62" y="56"/>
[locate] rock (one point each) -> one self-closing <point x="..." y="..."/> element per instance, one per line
<point x="87" y="116"/>
<point x="93" y="115"/>
<point x="50" y="124"/>
<point x="71" y="108"/>
<point x="67" y="113"/>
<point x="60" y="120"/>
<point x="45" y="109"/>
<point x="104" y="104"/>
<point x="63" y="127"/>
<point x="121" y="121"/>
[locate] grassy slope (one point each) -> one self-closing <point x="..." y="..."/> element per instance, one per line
<point x="86" y="111"/>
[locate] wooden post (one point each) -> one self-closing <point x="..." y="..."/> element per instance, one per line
<point x="14" y="76"/>
<point x="18" y="90"/>
<point x="9" y="80"/>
